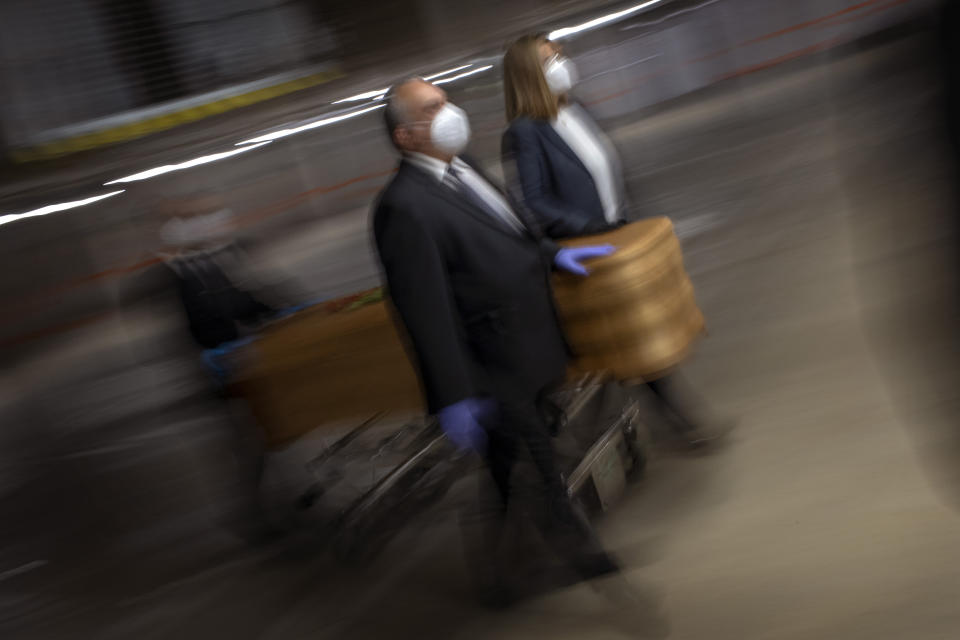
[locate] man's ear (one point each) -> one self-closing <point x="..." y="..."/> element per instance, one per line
<point x="401" y="137"/>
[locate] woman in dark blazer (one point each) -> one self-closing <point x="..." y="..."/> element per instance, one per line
<point x="557" y="159"/>
<point x="565" y="171"/>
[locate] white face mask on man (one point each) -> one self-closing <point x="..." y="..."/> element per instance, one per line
<point x="450" y="129"/>
<point x="561" y="74"/>
<point x="198" y="230"/>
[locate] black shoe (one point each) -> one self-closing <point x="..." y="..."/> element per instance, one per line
<point x="497" y="595"/>
<point x="596" y="565"/>
<point x="701" y="437"/>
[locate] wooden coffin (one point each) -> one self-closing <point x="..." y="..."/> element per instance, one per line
<point x="635" y="316"/>
<point x="319" y="367"/>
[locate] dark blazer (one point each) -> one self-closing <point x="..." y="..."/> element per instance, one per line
<point x="473" y="295"/>
<point x="555" y="185"/>
<point x="215" y="307"/>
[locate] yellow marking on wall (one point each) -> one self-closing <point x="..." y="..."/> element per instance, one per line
<point x="132" y="131"/>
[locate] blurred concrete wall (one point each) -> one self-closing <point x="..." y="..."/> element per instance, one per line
<point x="56" y="66"/>
<point x="240" y="39"/>
<point x="656" y="58"/>
<point x="64" y="62"/>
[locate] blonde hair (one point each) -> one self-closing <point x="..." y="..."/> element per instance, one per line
<point x="525" y="89"/>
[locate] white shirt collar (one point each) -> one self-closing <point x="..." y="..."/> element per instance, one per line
<point x="486" y="191"/>
<point x="434" y="166"/>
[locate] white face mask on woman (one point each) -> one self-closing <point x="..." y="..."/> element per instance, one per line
<point x="450" y="129"/>
<point x="561" y="74"/>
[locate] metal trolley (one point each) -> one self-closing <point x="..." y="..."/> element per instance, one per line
<point x="601" y="442"/>
<point x="377" y="476"/>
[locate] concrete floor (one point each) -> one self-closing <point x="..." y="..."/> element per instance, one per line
<point x="814" y="204"/>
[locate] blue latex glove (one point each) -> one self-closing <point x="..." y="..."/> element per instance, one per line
<point x="569" y="259"/>
<point x="463" y="423"/>
<point x="216" y="359"/>
<point x="289" y="311"/>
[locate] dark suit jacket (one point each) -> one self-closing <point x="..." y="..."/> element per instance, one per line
<point x="214" y="305"/>
<point x="217" y="308"/>
<point x="555" y="185"/>
<point x="473" y="295"/>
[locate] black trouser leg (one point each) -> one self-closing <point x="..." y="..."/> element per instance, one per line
<point x="665" y="390"/>
<point x="523" y="428"/>
<point x="501" y="455"/>
<point x="483" y="523"/>
<point x="248" y="450"/>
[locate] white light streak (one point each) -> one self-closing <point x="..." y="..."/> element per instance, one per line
<point x="167" y="168"/>
<point x="311" y="125"/>
<point x="464" y="75"/>
<point x="602" y="20"/>
<point x="670" y="16"/>
<point x="53" y="208"/>
<point x="369" y="95"/>
<point x="379" y="93"/>
<point x="443" y="73"/>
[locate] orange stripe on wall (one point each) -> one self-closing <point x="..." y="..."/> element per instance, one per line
<point x="246" y="219"/>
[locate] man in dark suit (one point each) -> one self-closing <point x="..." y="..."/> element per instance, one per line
<point x="470" y="282"/>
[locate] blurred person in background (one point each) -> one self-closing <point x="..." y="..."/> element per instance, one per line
<point x="470" y="284"/>
<point x="197" y="245"/>
<point x="223" y="304"/>
<point x="568" y="174"/>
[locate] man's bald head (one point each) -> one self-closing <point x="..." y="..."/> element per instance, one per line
<point x="395" y="112"/>
<point x="411" y="106"/>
